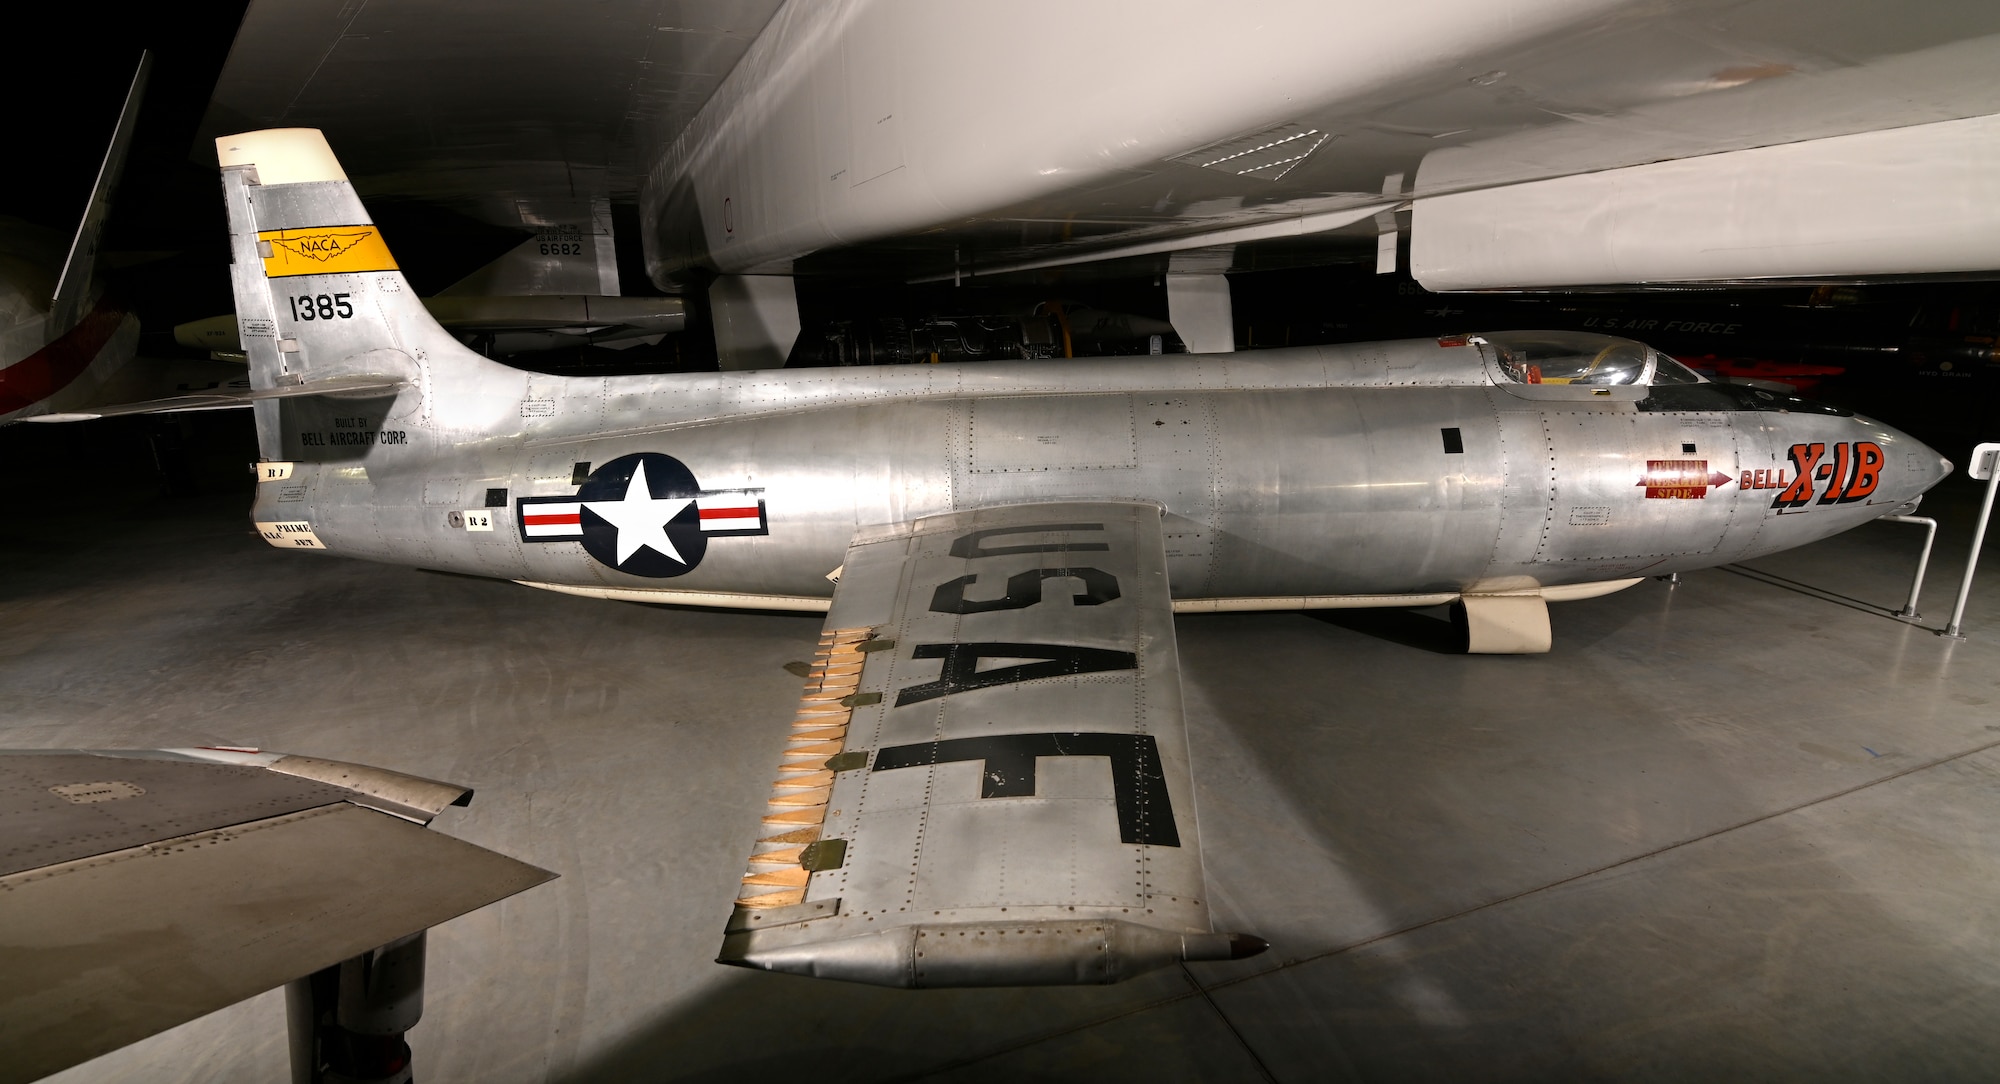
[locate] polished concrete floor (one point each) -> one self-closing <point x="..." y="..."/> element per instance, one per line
<point x="1745" y="828"/>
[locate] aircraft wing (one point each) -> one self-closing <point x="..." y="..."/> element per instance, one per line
<point x="987" y="780"/>
<point x="141" y="889"/>
<point x="1521" y="145"/>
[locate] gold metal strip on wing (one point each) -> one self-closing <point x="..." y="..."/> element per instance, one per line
<point x="797" y="806"/>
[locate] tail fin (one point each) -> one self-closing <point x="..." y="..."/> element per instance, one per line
<point x="73" y="287"/>
<point x="319" y="299"/>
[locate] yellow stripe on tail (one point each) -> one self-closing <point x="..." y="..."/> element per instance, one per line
<point x="327" y="250"/>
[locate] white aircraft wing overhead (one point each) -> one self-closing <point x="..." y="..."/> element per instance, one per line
<point x="518" y="116"/>
<point x="1259" y="131"/>
<point x="140" y="889"/>
<point x="1523" y="144"/>
<point x="987" y="782"/>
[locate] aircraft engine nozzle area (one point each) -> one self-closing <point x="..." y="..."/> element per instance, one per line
<point x="1089" y="952"/>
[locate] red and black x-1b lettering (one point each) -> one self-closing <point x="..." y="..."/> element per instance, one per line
<point x="1851" y="474"/>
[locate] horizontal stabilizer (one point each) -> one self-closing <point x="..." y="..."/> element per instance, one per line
<point x="567" y="319"/>
<point x="357" y="386"/>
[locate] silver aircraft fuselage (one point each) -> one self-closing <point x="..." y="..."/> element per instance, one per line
<point x="1406" y="469"/>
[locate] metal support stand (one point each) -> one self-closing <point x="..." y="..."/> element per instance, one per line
<point x="1983" y="462"/>
<point x="1909" y="610"/>
<point x="347" y="1021"/>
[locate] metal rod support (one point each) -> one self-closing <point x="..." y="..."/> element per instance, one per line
<point x="1983" y="466"/>
<point x="1909" y="610"/>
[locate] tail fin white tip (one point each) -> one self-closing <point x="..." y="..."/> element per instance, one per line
<point x="281" y="155"/>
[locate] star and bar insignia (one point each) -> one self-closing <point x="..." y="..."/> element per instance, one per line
<point x="644" y="514"/>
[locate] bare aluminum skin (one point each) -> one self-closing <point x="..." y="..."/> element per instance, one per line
<point x="1307" y="471"/>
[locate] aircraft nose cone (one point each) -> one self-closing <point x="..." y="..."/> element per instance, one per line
<point x="1915" y="466"/>
<point x="1934" y="467"/>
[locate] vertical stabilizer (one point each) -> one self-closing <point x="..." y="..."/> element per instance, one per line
<point x="73" y="287"/>
<point x="573" y="251"/>
<point x="319" y="296"/>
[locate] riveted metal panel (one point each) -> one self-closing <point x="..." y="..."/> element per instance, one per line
<point x="106" y="950"/>
<point x="1050" y="433"/>
<point x="1638" y="487"/>
<point x="1026" y="760"/>
<point x="155" y="799"/>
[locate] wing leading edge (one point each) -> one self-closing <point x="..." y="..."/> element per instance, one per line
<point x="987" y="782"/>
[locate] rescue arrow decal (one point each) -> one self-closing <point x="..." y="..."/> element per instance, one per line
<point x="1681" y="479"/>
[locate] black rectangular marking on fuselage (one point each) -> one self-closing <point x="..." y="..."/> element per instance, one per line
<point x="1454" y="443"/>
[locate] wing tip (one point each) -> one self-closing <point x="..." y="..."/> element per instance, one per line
<point x="1044" y="952"/>
<point x="1242" y="946"/>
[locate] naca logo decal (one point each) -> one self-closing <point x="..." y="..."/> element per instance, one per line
<point x="1853" y="473"/>
<point x="324" y="251"/>
<point x="644" y="514"/>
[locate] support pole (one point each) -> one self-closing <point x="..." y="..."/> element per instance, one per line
<point x="1909" y="610"/>
<point x="347" y="1021"/>
<point x="1983" y="463"/>
<point x="1199" y="307"/>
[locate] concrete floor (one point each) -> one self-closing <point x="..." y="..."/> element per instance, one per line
<point x="1733" y="830"/>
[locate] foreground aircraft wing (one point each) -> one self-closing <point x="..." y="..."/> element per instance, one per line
<point x="141" y="889"/>
<point x="987" y="781"/>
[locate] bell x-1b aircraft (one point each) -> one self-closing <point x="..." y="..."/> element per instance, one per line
<point x="987" y="781"/>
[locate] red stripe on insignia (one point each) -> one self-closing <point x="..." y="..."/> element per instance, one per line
<point x="729" y="513"/>
<point x="572" y="519"/>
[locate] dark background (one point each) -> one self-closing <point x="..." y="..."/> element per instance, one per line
<point x="165" y="243"/>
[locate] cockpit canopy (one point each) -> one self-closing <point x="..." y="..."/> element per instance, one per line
<point x="1580" y="357"/>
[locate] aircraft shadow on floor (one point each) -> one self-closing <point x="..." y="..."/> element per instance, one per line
<point x="1429" y="629"/>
